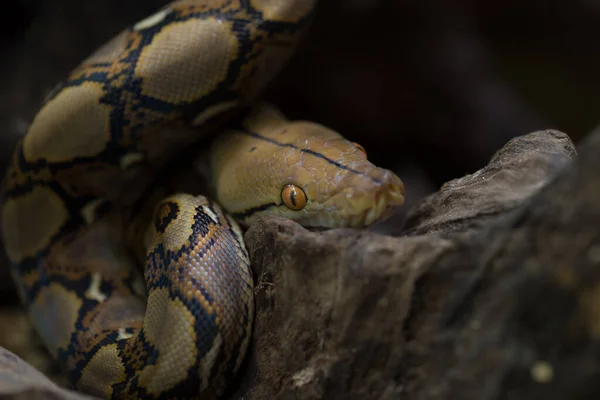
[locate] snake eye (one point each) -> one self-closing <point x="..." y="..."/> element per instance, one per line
<point x="293" y="197"/>
<point x="362" y="149"/>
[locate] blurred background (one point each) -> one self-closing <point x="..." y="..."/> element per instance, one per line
<point x="431" y="88"/>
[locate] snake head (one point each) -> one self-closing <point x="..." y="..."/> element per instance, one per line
<point x="299" y="170"/>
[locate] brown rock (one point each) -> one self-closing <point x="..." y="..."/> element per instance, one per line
<point x="524" y="325"/>
<point x="455" y="311"/>
<point x="512" y="176"/>
<point x="317" y="296"/>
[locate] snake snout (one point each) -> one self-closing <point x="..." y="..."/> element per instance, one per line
<point x="370" y="197"/>
<point x="392" y="192"/>
<point x="388" y="194"/>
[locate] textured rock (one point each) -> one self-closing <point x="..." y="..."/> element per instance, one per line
<point x="490" y="293"/>
<point x="524" y="324"/>
<point x="352" y="314"/>
<point x="319" y="295"/>
<point x="512" y="176"/>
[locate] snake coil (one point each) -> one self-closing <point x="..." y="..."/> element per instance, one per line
<point x="181" y="328"/>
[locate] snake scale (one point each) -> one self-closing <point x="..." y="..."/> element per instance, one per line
<point x="159" y="303"/>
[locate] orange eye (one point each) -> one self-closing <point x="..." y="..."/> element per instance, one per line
<point x="362" y="149"/>
<point x="293" y="197"/>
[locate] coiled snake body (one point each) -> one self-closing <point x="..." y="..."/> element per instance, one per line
<point x="69" y="219"/>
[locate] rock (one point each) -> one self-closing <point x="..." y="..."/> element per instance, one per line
<point x="524" y="322"/>
<point x="512" y="176"/>
<point x="318" y="295"/>
<point x="352" y="314"/>
<point x="491" y="292"/>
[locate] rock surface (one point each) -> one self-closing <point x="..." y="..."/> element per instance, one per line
<point x="492" y="292"/>
<point x="351" y="314"/>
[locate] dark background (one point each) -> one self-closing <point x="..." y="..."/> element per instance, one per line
<point x="431" y="88"/>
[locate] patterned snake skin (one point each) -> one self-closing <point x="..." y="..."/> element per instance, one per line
<point x="79" y="220"/>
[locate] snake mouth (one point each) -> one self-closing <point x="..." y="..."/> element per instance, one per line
<point x="385" y="200"/>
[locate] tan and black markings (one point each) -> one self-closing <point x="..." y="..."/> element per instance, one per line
<point x="92" y="153"/>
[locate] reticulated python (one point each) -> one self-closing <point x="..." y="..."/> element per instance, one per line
<point x="70" y="207"/>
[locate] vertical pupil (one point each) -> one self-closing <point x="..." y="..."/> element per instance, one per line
<point x="293" y="196"/>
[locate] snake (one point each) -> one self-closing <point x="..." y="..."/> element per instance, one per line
<point x="139" y="290"/>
